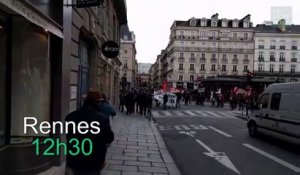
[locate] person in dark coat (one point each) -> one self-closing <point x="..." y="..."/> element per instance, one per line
<point x="89" y="112"/>
<point x="106" y="108"/>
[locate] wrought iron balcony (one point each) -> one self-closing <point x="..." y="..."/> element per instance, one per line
<point x="282" y="59"/>
<point x="261" y="59"/>
<point x="213" y="60"/>
<point x="181" y="59"/>
<point x="294" y="48"/>
<point x="202" y="60"/>
<point x="224" y="61"/>
<point x="272" y="47"/>
<point x="235" y="61"/>
<point x="246" y="61"/>
<point x="294" y="60"/>
<point x="282" y="47"/>
<point x="192" y="60"/>
<point x="272" y="59"/>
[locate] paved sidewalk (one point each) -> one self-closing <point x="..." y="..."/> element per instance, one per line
<point x="138" y="149"/>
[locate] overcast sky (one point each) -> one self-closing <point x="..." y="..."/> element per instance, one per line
<point x="151" y="19"/>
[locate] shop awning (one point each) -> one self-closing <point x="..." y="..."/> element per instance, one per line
<point x="24" y="9"/>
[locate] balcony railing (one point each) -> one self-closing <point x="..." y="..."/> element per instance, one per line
<point x="294" y="47"/>
<point x="246" y="61"/>
<point x="202" y="60"/>
<point x="282" y="47"/>
<point x="181" y="59"/>
<point x="261" y="46"/>
<point x="272" y="47"/>
<point x="282" y="59"/>
<point x="294" y="60"/>
<point x="213" y="71"/>
<point x="224" y="61"/>
<point x="192" y="70"/>
<point x="180" y="70"/>
<point x="213" y="60"/>
<point x="202" y="70"/>
<point x="235" y="61"/>
<point x="272" y="59"/>
<point x="261" y="59"/>
<point x="192" y="60"/>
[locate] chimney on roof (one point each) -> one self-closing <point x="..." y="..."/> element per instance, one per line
<point x="215" y="16"/>
<point x="281" y="25"/>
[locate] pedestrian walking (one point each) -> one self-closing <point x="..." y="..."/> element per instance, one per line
<point x="106" y="108"/>
<point x="89" y="112"/>
<point x="165" y="101"/>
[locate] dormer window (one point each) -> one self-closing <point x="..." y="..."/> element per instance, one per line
<point x="214" y="23"/>
<point x="235" y="23"/>
<point x="246" y="24"/>
<point x="203" y="22"/>
<point x="193" y="22"/>
<point x="224" y="23"/>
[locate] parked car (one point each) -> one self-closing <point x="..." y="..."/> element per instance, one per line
<point x="277" y="112"/>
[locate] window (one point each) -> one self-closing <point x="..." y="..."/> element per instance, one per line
<point x="214" y="44"/>
<point x="192" y="44"/>
<point x="264" y="101"/>
<point x="282" y="45"/>
<point x="181" y="44"/>
<point x="192" y="67"/>
<point x="225" y="35"/>
<point x="235" y="24"/>
<point x="260" y="54"/>
<point x="224" y="23"/>
<point x="181" y="55"/>
<point x="235" y="56"/>
<point x="180" y="78"/>
<point x="224" y="56"/>
<point x="271" y="68"/>
<point x="202" y="55"/>
<point x="193" y="22"/>
<point x="202" y="68"/>
<point x="246" y="24"/>
<point x="294" y="45"/>
<point x="193" y="55"/>
<point x="288" y="103"/>
<point x="281" y="57"/>
<point x="203" y="23"/>
<point x="180" y="66"/>
<point x="213" y="56"/>
<point x="234" y="68"/>
<point x="202" y="33"/>
<point x="272" y="56"/>
<point x="181" y="34"/>
<point x="125" y="51"/>
<point x="273" y="44"/>
<point x="213" y="67"/>
<point x="245" y="36"/>
<point x="203" y="44"/>
<point x="214" y="24"/>
<point x="191" y="77"/>
<point x="245" y="68"/>
<point x="294" y="55"/>
<point x="261" y="44"/>
<point x="281" y="68"/>
<point x="293" y="69"/>
<point x="214" y="34"/>
<point x="246" y="57"/>
<point x="234" y="35"/>
<point x="275" y="101"/>
<point x="260" y="68"/>
<point x="223" y="68"/>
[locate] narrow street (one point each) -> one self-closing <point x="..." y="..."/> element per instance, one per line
<point x="215" y="141"/>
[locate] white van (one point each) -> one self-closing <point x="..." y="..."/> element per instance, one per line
<point x="277" y="111"/>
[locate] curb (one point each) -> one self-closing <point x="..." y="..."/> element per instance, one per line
<point x="171" y="166"/>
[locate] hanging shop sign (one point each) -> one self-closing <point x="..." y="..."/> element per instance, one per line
<point x="110" y="49"/>
<point x="87" y="3"/>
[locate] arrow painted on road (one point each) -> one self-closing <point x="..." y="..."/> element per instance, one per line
<point x="219" y="156"/>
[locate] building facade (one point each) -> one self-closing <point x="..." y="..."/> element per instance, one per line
<point x="282" y="12"/>
<point x="203" y="48"/>
<point x="143" y="68"/>
<point x="277" y="52"/>
<point x="50" y="57"/>
<point x="128" y="57"/>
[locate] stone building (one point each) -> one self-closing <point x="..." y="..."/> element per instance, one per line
<point x="203" y="48"/>
<point x="128" y="56"/>
<point x="277" y="52"/>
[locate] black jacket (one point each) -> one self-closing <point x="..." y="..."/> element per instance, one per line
<point x="94" y="161"/>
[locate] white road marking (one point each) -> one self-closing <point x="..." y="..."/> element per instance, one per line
<point x="219" y="131"/>
<point x="167" y="113"/>
<point x="189" y="133"/>
<point x="190" y="113"/>
<point x="201" y="113"/>
<point x="219" y="156"/>
<point x="198" y="127"/>
<point x="280" y="161"/>
<point x="226" y="114"/>
<point x="181" y="127"/>
<point x="178" y="113"/>
<point x="214" y="114"/>
<point x="155" y="114"/>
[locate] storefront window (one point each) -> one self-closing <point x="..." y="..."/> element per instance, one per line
<point x="30" y="93"/>
<point x="3" y="50"/>
<point x="84" y="71"/>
